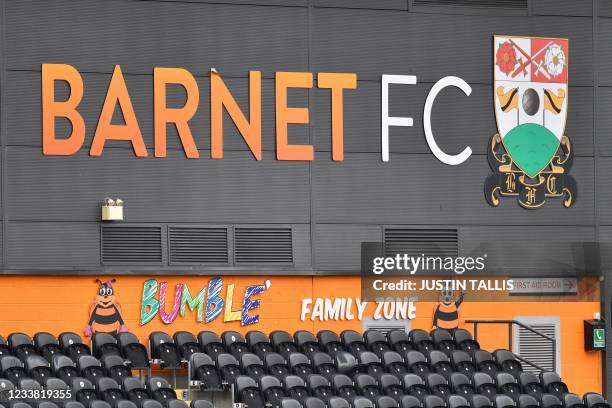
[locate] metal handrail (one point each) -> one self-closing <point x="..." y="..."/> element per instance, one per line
<point x="510" y="324"/>
<point x="528" y="362"/>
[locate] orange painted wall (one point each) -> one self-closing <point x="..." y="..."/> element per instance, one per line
<point x="46" y="303"/>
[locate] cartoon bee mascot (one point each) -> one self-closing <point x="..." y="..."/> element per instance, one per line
<point x="446" y="314"/>
<point x="105" y="312"/>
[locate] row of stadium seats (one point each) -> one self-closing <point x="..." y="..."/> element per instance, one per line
<point x="64" y="368"/>
<point x="172" y="350"/>
<point x="71" y="345"/>
<point x="454" y="401"/>
<point x="132" y="393"/>
<point x="396" y="365"/>
<point x="368" y="362"/>
<point x="226" y="367"/>
<point x="104" y="404"/>
<point x="270" y="390"/>
<point x="182" y="344"/>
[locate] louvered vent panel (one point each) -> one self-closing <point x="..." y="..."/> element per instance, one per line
<point x="537" y="349"/>
<point x="388" y="327"/>
<point x="414" y="242"/>
<point x="263" y="245"/>
<point x="503" y="4"/>
<point x="198" y="245"/>
<point x="127" y="245"/>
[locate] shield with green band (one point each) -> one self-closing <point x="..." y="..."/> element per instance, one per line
<point x="531" y="147"/>
<point x="530" y="94"/>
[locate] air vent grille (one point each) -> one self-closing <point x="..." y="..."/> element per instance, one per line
<point x="537" y="349"/>
<point x="502" y="4"/>
<point x="128" y="245"/>
<point x="192" y="245"/>
<point x="416" y="242"/>
<point x="263" y="245"/>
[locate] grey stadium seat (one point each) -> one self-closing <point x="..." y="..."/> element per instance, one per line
<point x="443" y="341"/>
<point x="186" y="344"/>
<point x="211" y="343"/>
<point x="63" y="367"/>
<point x="160" y="390"/>
<point x="457" y="401"/>
<point x="47" y="345"/>
<point x="234" y="343"/>
<point x="175" y="403"/>
<point x="126" y="404"/>
<point x="550" y="401"/>
<point x="480" y="401"/>
<point x="135" y="390"/>
<point x="415" y="386"/>
<point x="527" y="401"/>
<point x="109" y="390"/>
<point x="202" y="368"/>
<point x="362" y="402"/>
<point x="572" y="401"/>
<point x="313" y="402"/>
<point x="409" y="401"/>
<point x="162" y="348"/>
<point x="252" y="365"/>
<point x="385" y="401"/>
<point x="290" y="403"/>
<point x="391" y="386"/>
<point x="503" y="401"/>
<point x="399" y="341"/>
<point x="433" y="401"/>
<point x="552" y="384"/>
<point x="259" y="343"/>
<point x="338" y="402"/>
<point x="367" y="385"/>
<point x="201" y="404"/>
<point x="329" y="341"/>
<point x="295" y="387"/>
<point x="133" y="351"/>
<point x="72" y="345"/>
<point x="319" y="387"/>
<point x="376" y="341"/>
<point x="272" y="390"/>
<point x="353" y="342"/>
<point x="283" y="343"/>
<point x="594" y="400"/>
<point x="276" y="365"/>
<point x="394" y="363"/>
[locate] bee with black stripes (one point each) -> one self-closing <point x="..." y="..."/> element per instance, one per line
<point x="105" y="312"/>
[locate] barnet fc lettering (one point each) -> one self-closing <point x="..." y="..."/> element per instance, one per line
<point x="221" y="99"/>
<point x="530" y="155"/>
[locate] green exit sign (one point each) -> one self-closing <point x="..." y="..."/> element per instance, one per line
<point x="599" y="338"/>
<point x="594" y="335"/>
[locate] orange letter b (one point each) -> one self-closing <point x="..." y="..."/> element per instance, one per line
<point x="67" y="109"/>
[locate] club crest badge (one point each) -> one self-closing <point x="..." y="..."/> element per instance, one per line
<point x="530" y="155"/>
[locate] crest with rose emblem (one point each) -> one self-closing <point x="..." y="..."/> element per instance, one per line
<point x="530" y="155"/>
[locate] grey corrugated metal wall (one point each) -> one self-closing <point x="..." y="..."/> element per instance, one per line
<point x="50" y="205"/>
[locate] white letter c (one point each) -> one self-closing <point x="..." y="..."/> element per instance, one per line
<point x="451" y="160"/>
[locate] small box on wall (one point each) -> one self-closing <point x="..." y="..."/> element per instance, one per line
<point x="594" y="335"/>
<point x="112" y="210"/>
